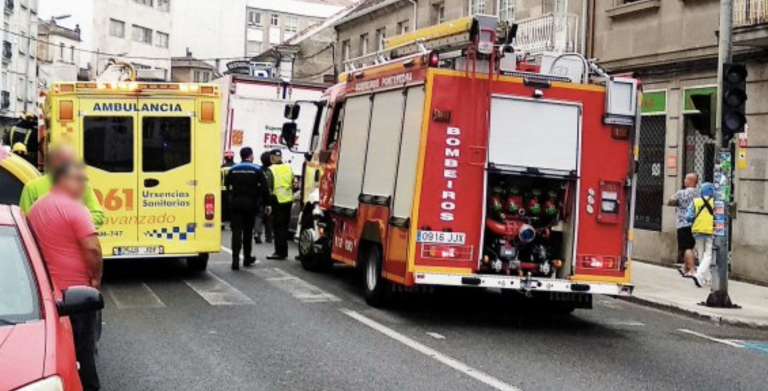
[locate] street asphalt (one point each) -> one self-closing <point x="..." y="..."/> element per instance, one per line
<point x="275" y="326"/>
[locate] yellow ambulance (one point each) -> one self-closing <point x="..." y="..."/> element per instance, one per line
<point x="153" y="157"/>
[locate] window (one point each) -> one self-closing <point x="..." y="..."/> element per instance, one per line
<point x="108" y="143"/>
<point x="116" y="28"/>
<point x="142" y="34"/>
<point x="61" y="51"/>
<point x="148" y="3"/>
<point x="381" y="38"/>
<point x="20" y="89"/>
<point x="275" y="20"/>
<point x="291" y="26"/>
<point x="506" y="10"/>
<point x="164" y="5"/>
<point x="438" y="13"/>
<point x="254" y="18"/>
<point x="561" y="6"/>
<point x="166" y="143"/>
<point x="253" y="48"/>
<point x="364" y="44"/>
<point x="403" y="27"/>
<point x="19" y="301"/>
<point x="476" y="7"/>
<point x="162" y="40"/>
<point x="346" y="49"/>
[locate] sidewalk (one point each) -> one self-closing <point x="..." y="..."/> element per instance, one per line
<point x="663" y="287"/>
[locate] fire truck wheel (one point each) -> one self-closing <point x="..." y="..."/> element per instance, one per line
<point x="198" y="263"/>
<point x="376" y="287"/>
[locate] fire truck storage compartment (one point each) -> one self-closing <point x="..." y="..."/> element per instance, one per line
<point x="533" y="168"/>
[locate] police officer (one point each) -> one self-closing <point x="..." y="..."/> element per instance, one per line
<point x="280" y="179"/>
<point x="229" y="161"/>
<point x="248" y="188"/>
<point x="24" y="132"/>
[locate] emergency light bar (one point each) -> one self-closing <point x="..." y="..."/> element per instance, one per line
<point x="133" y="86"/>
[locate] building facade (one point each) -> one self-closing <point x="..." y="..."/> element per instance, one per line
<point x="672" y="47"/>
<point x="58" y="53"/>
<point x="18" y="89"/>
<point x="544" y="25"/>
<point x="191" y="70"/>
<point x="137" y="31"/>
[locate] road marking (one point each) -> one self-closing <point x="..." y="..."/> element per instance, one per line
<point x="435" y="335"/>
<point x="130" y="295"/>
<point x="229" y="251"/>
<point x="421" y="348"/>
<point x="625" y="323"/>
<point x="296" y="287"/>
<point x="215" y="291"/>
<point x="713" y="339"/>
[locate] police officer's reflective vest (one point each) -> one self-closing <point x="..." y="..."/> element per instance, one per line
<point x="224" y="172"/>
<point x="704" y="219"/>
<point x="282" y="180"/>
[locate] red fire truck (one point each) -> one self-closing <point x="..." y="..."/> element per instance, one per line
<point x="468" y="167"/>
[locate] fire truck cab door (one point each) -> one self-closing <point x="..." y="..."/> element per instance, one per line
<point x="166" y="173"/>
<point x="108" y="144"/>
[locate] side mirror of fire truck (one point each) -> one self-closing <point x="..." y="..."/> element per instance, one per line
<point x="292" y="111"/>
<point x="289" y="134"/>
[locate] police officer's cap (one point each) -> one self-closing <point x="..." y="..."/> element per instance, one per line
<point x="276" y="152"/>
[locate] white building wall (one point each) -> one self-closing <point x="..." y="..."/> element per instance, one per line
<point x="209" y="29"/>
<point x="19" y="70"/>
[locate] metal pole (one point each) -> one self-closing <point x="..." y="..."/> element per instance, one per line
<point x="719" y="297"/>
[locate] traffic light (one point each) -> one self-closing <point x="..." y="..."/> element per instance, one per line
<point x="734" y="119"/>
<point x="704" y="122"/>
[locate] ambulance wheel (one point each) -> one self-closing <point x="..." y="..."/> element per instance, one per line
<point x="377" y="288"/>
<point x="198" y="263"/>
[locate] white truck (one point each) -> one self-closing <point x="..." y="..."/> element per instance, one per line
<point x="252" y="115"/>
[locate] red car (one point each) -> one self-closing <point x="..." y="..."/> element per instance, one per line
<point x="36" y="348"/>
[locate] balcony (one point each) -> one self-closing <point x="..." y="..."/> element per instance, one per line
<point x="548" y="33"/>
<point x="750" y="22"/>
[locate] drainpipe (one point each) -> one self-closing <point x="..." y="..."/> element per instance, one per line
<point x="585" y="19"/>
<point x="415" y="14"/>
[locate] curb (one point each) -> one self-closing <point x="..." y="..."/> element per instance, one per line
<point x="717" y="319"/>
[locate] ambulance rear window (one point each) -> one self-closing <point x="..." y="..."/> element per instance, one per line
<point x="108" y="143"/>
<point x="166" y="143"/>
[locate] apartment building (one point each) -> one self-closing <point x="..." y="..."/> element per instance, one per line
<point x="270" y="22"/>
<point x="18" y="89"/>
<point x="544" y="25"/>
<point x="672" y="47"/>
<point x="58" y="53"/>
<point x="137" y="31"/>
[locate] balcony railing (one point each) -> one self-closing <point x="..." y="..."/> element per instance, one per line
<point x="548" y="33"/>
<point x="750" y="12"/>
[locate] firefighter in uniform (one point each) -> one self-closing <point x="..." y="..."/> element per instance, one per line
<point x="280" y="180"/>
<point x="24" y="132"/>
<point x="248" y="189"/>
<point x="229" y="161"/>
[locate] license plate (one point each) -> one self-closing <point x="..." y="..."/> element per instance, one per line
<point x="457" y="238"/>
<point x="138" y="251"/>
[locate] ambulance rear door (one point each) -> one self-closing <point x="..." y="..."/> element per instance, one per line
<point x="166" y="175"/>
<point x="108" y="146"/>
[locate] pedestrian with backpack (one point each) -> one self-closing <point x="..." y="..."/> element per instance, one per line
<point x="701" y="213"/>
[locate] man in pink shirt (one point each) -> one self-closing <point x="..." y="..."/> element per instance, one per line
<point x="70" y="245"/>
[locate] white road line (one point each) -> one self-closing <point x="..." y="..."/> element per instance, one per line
<point x="713" y="339"/>
<point x="130" y="295"/>
<point x="229" y="251"/>
<point x="436" y="335"/>
<point x="296" y="287"/>
<point x="421" y="348"/>
<point x="215" y="291"/>
<point x="625" y="323"/>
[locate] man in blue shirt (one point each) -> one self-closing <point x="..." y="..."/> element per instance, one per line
<point x="248" y="190"/>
